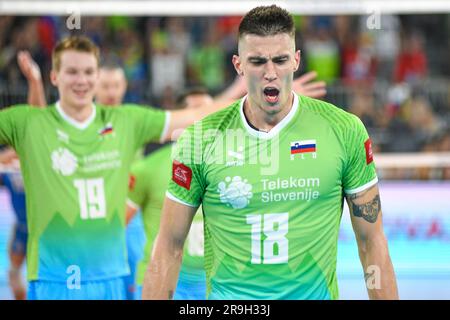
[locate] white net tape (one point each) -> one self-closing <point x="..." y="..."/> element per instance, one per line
<point x="412" y="160"/>
<point x="217" y="7"/>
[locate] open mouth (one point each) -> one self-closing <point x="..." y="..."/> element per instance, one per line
<point x="271" y="94"/>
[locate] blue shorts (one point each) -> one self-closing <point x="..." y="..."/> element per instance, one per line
<point x="187" y="290"/>
<point x="184" y="291"/>
<point x="19" y="239"/>
<point x="135" y="246"/>
<point x="111" y="289"/>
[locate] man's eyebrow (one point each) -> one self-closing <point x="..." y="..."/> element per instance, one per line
<point x="281" y="57"/>
<point x="257" y="59"/>
<point x="264" y="59"/>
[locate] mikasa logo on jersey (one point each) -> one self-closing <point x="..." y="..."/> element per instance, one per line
<point x="235" y="192"/>
<point x="64" y="161"/>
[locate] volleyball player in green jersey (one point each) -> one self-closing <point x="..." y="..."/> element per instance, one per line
<point x="271" y="172"/>
<point x="148" y="181"/>
<point x="75" y="158"/>
<point x="110" y="91"/>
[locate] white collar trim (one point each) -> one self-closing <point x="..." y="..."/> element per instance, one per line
<point x="77" y="124"/>
<point x="277" y="128"/>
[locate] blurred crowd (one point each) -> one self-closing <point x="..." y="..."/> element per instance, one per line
<point x="393" y="74"/>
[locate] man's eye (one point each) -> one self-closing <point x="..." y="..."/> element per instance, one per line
<point x="257" y="62"/>
<point x="280" y="61"/>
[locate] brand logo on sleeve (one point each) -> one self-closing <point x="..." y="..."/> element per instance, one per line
<point x="369" y="152"/>
<point x="181" y="175"/>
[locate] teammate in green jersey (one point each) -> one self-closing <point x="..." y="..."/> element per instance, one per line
<point x="149" y="179"/>
<point x="75" y="158"/>
<point x="110" y="91"/>
<point x="271" y="172"/>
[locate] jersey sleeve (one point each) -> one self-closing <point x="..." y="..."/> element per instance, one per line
<point x="137" y="187"/>
<point x="149" y="124"/>
<point x="187" y="183"/>
<point x="12" y="124"/>
<point x="359" y="171"/>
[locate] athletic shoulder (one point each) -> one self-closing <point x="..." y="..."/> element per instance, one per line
<point x="221" y="119"/>
<point x="340" y="120"/>
<point x="25" y="112"/>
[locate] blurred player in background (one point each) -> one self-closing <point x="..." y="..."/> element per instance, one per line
<point x="75" y="158"/>
<point x="17" y="246"/>
<point x="13" y="182"/>
<point x="112" y="86"/>
<point x="271" y="232"/>
<point x="149" y="179"/>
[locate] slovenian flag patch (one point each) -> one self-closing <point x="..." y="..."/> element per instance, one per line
<point x="303" y="146"/>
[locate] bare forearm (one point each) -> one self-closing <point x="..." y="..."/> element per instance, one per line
<point x="36" y="94"/>
<point x="378" y="270"/>
<point x="162" y="274"/>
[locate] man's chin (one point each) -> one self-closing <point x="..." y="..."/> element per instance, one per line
<point x="272" y="108"/>
<point x="82" y="104"/>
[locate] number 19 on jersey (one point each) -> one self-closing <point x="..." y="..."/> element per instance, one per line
<point x="91" y="196"/>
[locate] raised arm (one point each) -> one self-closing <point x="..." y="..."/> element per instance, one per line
<point x="365" y="213"/>
<point x="161" y="276"/>
<point x="31" y="71"/>
<point x="304" y="85"/>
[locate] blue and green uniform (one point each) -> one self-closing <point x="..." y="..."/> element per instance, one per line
<point x="272" y="201"/>
<point x="14" y="184"/>
<point x="76" y="178"/>
<point x="148" y="184"/>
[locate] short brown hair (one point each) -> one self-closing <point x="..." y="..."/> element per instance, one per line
<point x="267" y="21"/>
<point x="77" y="43"/>
<point x="182" y="97"/>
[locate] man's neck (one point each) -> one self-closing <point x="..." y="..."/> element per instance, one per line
<point x="77" y="114"/>
<point x="262" y="121"/>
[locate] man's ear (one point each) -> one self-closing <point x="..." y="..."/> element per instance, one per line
<point x="237" y="65"/>
<point x="297" y="60"/>
<point x="53" y="78"/>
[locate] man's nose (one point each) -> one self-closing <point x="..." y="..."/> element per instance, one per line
<point x="82" y="78"/>
<point x="270" y="73"/>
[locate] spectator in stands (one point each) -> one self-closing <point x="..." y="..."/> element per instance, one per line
<point x="411" y="64"/>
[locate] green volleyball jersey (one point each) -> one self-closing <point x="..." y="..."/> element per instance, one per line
<point x="272" y="201"/>
<point x="149" y="179"/>
<point x="76" y="179"/>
